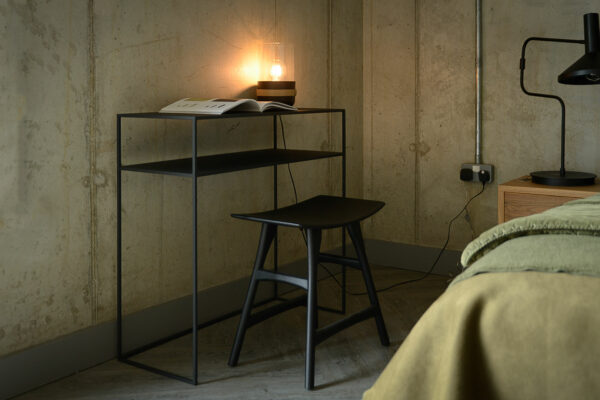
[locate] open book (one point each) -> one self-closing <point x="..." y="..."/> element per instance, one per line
<point x="220" y="106"/>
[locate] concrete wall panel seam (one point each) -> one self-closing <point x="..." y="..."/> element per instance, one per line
<point x="330" y="173"/>
<point x="93" y="274"/>
<point x="417" y="133"/>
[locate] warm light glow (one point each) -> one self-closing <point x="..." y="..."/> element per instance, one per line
<point x="247" y="68"/>
<point x="250" y="71"/>
<point x="275" y="72"/>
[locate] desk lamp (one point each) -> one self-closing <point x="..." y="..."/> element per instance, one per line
<point x="585" y="71"/>
<point x="277" y="74"/>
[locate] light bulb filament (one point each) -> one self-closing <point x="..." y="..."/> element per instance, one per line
<point x="276" y="71"/>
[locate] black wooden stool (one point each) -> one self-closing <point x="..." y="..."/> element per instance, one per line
<point x="313" y="215"/>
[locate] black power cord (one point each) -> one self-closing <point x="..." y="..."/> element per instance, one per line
<point x="288" y="165"/>
<point x="483" y="178"/>
<point x="430" y="270"/>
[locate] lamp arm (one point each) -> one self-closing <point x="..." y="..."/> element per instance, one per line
<point x="549" y="96"/>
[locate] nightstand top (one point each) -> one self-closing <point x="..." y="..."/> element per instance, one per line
<point x="524" y="185"/>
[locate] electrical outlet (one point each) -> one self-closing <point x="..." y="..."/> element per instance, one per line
<point x="477" y="173"/>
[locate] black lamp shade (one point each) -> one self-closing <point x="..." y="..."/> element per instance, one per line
<point x="586" y="70"/>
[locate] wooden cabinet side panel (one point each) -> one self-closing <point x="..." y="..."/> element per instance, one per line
<point x="501" y="204"/>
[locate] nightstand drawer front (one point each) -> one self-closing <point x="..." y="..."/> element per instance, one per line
<point x="523" y="204"/>
<point x="521" y="197"/>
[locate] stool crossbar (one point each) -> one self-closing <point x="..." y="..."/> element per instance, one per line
<point x="312" y="216"/>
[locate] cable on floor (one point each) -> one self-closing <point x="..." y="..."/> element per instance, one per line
<point x="430" y="270"/>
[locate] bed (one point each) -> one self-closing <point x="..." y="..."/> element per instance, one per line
<point x="522" y="321"/>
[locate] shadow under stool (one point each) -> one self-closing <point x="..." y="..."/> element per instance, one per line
<point x="311" y="216"/>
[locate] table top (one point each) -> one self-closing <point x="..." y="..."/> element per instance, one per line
<point x="159" y="115"/>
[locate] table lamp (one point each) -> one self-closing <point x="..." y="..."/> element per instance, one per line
<point x="277" y="74"/>
<point x="585" y="71"/>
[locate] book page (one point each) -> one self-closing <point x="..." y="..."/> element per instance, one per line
<point x="201" y="106"/>
<point x="221" y="105"/>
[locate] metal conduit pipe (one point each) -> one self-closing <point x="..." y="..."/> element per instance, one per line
<point x="478" y="85"/>
<point x="477" y="172"/>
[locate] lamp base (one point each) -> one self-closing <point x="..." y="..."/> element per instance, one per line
<point x="570" y="178"/>
<point x="281" y="91"/>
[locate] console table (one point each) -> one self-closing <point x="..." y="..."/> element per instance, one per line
<point x="197" y="166"/>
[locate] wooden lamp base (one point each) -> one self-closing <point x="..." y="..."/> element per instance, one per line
<point x="281" y="91"/>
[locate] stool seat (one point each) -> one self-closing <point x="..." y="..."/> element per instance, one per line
<point x="320" y="212"/>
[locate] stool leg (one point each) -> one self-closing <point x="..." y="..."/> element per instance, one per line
<point x="266" y="238"/>
<point x="313" y="237"/>
<point x="359" y="246"/>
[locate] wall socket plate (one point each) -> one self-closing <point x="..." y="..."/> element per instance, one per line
<point x="472" y="172"/>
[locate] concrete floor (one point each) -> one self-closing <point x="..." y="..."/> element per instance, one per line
<point x="272" y="359"/>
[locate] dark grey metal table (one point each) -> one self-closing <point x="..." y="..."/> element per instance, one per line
<point x="194" y="167"/>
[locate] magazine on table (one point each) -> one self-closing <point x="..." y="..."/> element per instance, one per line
<point x="219" y="106"/>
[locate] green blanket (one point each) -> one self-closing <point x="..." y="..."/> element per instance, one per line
<point x="511" y="335"/>
<point x="502" y="336"/>
<point x="562" y="239"/>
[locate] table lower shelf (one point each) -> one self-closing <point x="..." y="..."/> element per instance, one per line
<point x="221" y="163"/>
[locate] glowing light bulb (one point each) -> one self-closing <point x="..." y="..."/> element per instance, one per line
<point x="592" y="77"/>
<point x="276" y="71"/>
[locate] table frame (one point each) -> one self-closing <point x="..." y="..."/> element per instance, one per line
<point x="195" y="167"/>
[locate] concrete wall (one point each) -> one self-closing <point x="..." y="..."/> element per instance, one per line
<point x="70" y="67"/>
<point x="420" y="127"/>
<point x="45" y="280"/>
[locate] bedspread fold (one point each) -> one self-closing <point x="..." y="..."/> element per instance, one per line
<point x="578" y="217"/>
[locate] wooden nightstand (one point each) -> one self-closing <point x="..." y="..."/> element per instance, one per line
<point x="521" y="197"/>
